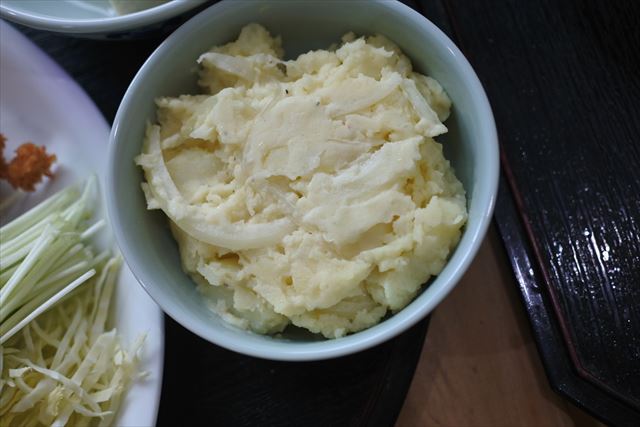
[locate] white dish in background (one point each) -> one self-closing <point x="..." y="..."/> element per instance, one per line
<point x="40" y="103"/>
<point x="92" y="18"/>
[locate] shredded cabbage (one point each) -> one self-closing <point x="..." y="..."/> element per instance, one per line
<point x="61" y="362"/>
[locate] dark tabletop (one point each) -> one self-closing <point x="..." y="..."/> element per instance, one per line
<point x="563" y="79"/>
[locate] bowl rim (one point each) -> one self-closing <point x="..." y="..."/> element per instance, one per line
<point x="399" y="322"/>
<point x="113" y="24"/>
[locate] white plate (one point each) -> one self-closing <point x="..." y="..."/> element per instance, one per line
<point x="39" y="102"/>
<point x="94" y="18"/>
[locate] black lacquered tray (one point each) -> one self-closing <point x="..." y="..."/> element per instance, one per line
<point x="207" y="385"/>
<point x="563" y="78"/>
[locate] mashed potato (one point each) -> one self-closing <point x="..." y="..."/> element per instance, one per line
<point x="310" y="191"/>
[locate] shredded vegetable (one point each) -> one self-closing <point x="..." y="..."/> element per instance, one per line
<point x="61" y="364"/>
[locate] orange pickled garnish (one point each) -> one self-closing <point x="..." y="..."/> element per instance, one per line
<point x="3" y="162"/>
<point x="28" y="166"/>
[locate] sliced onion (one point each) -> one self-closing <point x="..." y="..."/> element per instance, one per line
<point x="429" y="121"/>
<point x="197" y="221"/>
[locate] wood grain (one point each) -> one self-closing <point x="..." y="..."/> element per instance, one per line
<point x="479" y="366"/>
<point x="562" y="78"/>
<point x="563" y="81"/>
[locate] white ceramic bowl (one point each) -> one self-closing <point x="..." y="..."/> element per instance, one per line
<point x="93" y="18"/>
<point x="143" y="235"/>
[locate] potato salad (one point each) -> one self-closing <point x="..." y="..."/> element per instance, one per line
<point x="309" y="191"/>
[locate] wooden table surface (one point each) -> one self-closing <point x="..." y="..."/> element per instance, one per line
<point x="479" y="365"/>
